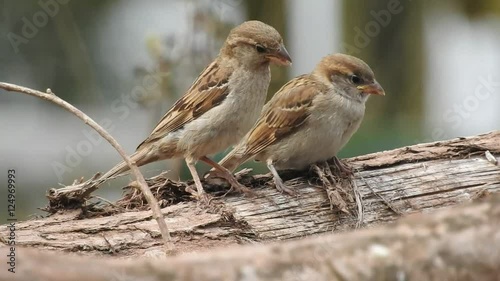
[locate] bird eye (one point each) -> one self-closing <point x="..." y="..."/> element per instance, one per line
<point x="260" y="49"/>
<point x="355" y="79"/>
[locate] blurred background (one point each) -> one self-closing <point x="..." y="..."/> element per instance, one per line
<point x="125" y="62"/>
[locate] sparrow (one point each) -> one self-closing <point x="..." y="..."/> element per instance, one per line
<point x="309" y="119"/>
<point x="219" y="108"/>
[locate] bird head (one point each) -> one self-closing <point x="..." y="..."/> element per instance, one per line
<point x="256" y="43"/>
<point x="349" y="76"/>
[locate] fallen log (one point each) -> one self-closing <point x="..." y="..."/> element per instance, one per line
<point x="459" y="243"/>
<point x="385" y="186"/>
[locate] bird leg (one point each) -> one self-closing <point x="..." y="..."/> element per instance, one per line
<point x="332" y="186"/>
<point x="280" y="185"/>
<point x="324" y="173"/>
<point x="343" y="168"/>
<point x="227" y="175"/>
<point x="201" y="195"/>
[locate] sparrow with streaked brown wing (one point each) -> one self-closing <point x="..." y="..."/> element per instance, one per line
<point x="310" y="118"/>
<point x="220" y="107"/>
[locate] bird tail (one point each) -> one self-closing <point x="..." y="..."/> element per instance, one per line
<point x="140" y="158"/>
<point x="235" y="158"/>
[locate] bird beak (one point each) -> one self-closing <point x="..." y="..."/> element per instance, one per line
<point x="280" y="57"/>
<point x="372" y="89"/>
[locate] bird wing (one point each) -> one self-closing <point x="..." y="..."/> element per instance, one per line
<point x="208" y="91"/>
<point x="285" y="113"/>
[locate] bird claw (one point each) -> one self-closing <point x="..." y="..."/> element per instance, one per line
<point x="233" y="182"/>
<point x="344" y="169"/>
<point x="282" y="188"/>
<point x="238" y="187"/>
<point x="202" y="198"/>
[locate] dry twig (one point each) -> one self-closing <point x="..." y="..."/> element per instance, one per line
<point x="50" y="96"/>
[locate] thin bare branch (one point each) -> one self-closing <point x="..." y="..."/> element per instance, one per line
<point x="51" y="97"/>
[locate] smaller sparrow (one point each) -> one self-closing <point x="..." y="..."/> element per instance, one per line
<point x="219" y="108"/>
<point x="310" y="118"/>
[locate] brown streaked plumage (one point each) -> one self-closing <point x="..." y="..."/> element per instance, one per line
<point x="208" y="91"/>
<point x="220" y="106"/>
<point x="283" y="115"/>
<point x="310" y="118"/>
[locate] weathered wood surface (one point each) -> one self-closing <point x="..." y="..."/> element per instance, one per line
<point x="459" y="243"/>
<point x="392" y="183"/>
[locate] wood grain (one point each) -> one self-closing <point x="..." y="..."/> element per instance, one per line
<point x="393" y="183"/>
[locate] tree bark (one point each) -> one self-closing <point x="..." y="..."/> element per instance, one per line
<point x="460" y="243"/>
<point x="385" y="186"/>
